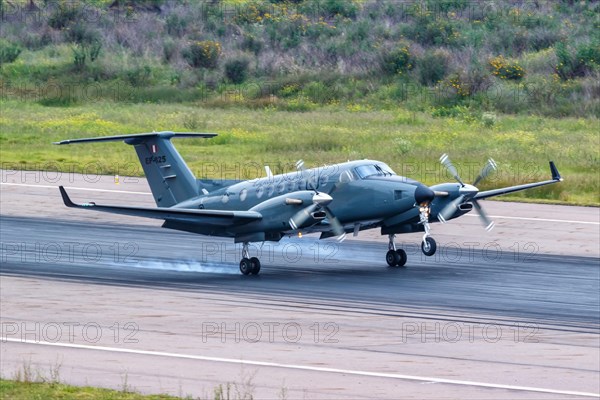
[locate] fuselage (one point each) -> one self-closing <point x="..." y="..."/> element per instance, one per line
<point x="366" y="193"/>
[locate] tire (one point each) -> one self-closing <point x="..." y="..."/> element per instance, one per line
<point x="432" y="247"/>
<point x="403" y="257"/>
<point x="255" y="262"/>
<point x="245" y="266"/>
<point x="392" y="258"/>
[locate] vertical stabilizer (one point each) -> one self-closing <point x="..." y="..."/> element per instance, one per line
<point x="169" y="177"/>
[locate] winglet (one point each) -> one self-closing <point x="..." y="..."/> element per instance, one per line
<point x="66" y="198"/>
<point x="555" y="175"/>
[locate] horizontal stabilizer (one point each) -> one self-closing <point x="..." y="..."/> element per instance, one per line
<point x="138" y="137"/>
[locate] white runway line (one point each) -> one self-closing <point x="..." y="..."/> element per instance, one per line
<point x="73" y="188"/>
<point x="539" y="219"/>
<point x="148" y="193"/>
<point x="303" y="367"/>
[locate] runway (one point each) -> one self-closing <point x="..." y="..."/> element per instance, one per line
<point x="134" y="305"/>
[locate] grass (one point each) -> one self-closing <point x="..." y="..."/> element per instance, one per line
<point x="14" y="390"/>
<point x="410" y="142"/>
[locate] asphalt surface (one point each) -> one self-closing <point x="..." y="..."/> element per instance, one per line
<point x="555" y="290"/>
<point x="514" y="315"/>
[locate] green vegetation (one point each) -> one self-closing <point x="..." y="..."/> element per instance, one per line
<point x="410" y="143"/>
<point x="14" y="390"/>
<point x="322" y="80"/>
<point x="382" y="54"/>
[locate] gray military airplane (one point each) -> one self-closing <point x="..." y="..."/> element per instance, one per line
<point x="332" y="200"/>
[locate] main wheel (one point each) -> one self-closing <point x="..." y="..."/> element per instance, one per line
<point x="246" y="266"/>
<point x="428" y="246"/>
<point x="255" y="265"/>
<point x="402" y="255"/>
<point x="392" y="258"/>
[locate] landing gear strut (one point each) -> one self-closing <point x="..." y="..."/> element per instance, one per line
<point x="395" y="257"/>
<point x="249" y="265"/>
<point x="428" y="246"/>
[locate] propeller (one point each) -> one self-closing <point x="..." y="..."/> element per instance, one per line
<point x="467" y="192"/>
<point x="320" y="202"/>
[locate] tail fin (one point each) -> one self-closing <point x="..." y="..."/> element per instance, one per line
<point x="170" y="179"/>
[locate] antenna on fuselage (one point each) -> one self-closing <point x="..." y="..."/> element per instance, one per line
<point x="268" y="171"/>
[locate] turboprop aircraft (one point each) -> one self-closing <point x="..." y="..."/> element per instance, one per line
<point x="331" y="200"/>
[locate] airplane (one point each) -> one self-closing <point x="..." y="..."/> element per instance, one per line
<point x="332" y="200"/>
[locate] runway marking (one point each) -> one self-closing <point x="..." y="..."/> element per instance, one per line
<point x="147" y="193"/>
<point x="540" y="219"/>
<point x="303" y="367"/>
<point x="73" y="188"/>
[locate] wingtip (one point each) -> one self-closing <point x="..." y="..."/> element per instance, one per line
<point x="555" y="174"/>
<point x="66" y="198"/>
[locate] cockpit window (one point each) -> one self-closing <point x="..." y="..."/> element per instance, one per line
<point x="365" y="171"/>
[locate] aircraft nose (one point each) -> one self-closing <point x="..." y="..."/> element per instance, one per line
<point x="423" y="194"/>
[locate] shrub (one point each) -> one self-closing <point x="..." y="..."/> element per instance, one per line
<point x="319" y="93"/>
<point x="169" y="49"/>
<point x="140" y="76"/>
<point x="8" y="51"/>
<point x="432" y="67"/>
<point x="488" y="119"/>
<point x="203" y="54"/>
<point x="236" y="69"/>
<point x="506" y="69"/>
<point x="65" y="13"/>
<point x="577" y="62"/>
<point x="252" y="44"/>
<point x="397" y="61"/>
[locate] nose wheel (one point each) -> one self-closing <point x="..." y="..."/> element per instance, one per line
<point x="428" y="245"/>
<point x="249" y="265"/>
<point x="395" y="257"/>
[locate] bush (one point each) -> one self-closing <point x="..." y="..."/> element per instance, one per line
<point x="432" y="67"/>
<point x="505" y="69"/>
<point x="397" y="61"/>
<point x="203" y="54"/>
<point x="236" y="69"/>
<point x="577" y="62"/>
<point x="319" y="93"/>
<point x="8" y="52"/>
<point x="65" y="13"/>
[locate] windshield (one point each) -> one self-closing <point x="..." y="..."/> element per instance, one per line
<point x="374" y="169"/>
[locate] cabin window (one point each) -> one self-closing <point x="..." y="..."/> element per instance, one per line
<point x="243" y="194"/>
<point x="270" y="190"/>
<point x="260" y="191"/>
<point x="365" y="171"/>
<point x="225" y="199"/>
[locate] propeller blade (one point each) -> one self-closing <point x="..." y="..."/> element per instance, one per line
<point x="302" y="216"/>
<point x="336" y="225"/>
<point x="489" y="224"/>
<point x="487" y="169"/>
<point x="448" y="211"/>
<point x="445" y="160"/>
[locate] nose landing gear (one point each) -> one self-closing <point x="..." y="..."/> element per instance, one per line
<point x="428" y="246"/>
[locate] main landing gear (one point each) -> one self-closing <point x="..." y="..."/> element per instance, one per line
<point x="249" y="265"/>
<point x="395" y="257"/>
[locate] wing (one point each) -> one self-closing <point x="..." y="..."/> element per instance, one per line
<point x="497" y="192"/>
<point x="206" y="218"/>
